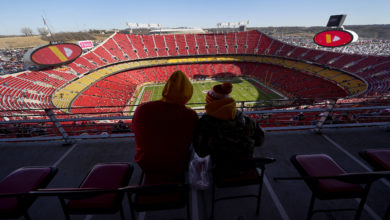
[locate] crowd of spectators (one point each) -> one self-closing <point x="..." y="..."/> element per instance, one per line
<point x="362" y="46"/>
<point x="11" y="61"/>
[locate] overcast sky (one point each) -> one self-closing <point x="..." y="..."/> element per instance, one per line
<point x="76" y="15"/>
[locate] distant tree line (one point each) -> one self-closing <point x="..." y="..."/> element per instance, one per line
<point x="26" y="31"/>
<point x="68" y="36"/>
<point x="136" y="31"/>
<point x="63" y="36"/>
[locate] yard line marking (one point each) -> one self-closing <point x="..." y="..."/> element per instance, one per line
<point x="346" y="152"/>
<point x="141" y="215"/>
<point x="353" y="158"/>
<point x="275" y="199"/>
<point x="368" y="209"/>
<point x="194" y="205"/>
<point x="64" y="155"/>
<point x="88" y="217"/>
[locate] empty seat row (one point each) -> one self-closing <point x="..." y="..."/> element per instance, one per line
<point x="329" y="181"/>
<point x="101" y="192"/>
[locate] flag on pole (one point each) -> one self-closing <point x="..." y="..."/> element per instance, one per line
<point x="46" y="27"/>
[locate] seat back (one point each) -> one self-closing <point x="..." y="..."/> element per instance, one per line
<point x="158" y="198"/>
<point x="378" y="158"/>
<point x="102" y="176"/>
<point x="237" y="173"/>
<point x="315" y="165"/>
<point x="22" y="181"/>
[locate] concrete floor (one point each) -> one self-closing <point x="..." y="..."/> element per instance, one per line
<point x="280" y="200"/>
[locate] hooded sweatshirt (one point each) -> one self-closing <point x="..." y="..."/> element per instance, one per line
<point x="163" y="129"/>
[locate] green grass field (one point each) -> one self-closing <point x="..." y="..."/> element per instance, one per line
<point x="243" y="90"/>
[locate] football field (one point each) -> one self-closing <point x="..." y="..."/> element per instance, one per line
<point x="243" y="90"/>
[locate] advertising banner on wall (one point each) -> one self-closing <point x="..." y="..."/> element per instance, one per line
<point x="85" y="44"/>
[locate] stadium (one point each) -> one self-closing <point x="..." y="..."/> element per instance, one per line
<point x="335" y="102"/>
<point x="109" y="78"/>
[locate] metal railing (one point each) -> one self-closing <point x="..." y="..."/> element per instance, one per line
<point x="272" y="115"/>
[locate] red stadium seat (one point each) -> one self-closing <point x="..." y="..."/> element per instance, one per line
<point x="19" y="183"/>
<point x="102" y="176"/>
<point x="328" y="181"/>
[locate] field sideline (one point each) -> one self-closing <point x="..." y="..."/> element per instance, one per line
<point x="244" y="89"/>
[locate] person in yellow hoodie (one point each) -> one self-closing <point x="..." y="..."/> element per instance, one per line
<point x="223" y="132"/>
<point x="164" y="129"/>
